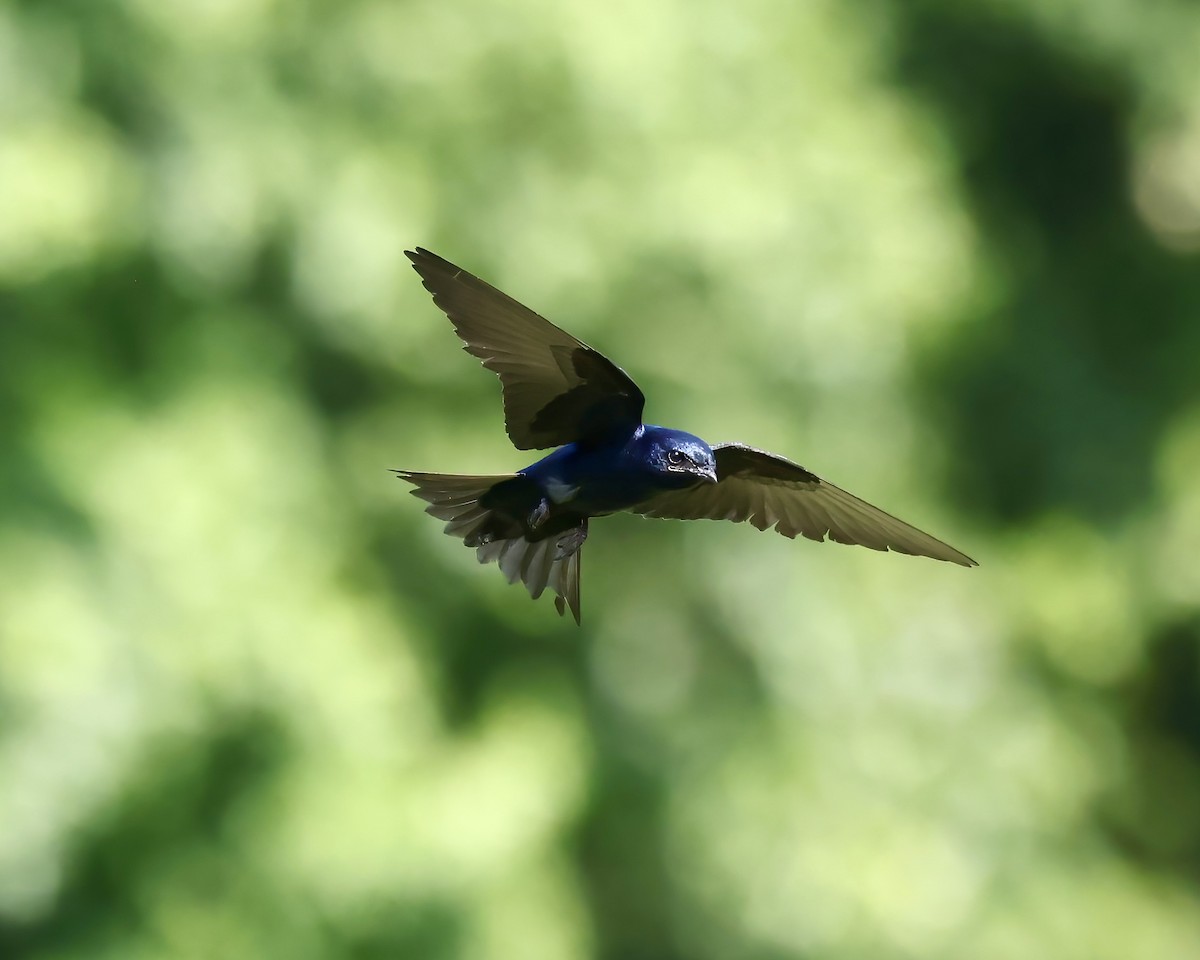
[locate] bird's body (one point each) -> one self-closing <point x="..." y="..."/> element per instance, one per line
<point x="558" y="392"/>
<point x="595" y="480"/>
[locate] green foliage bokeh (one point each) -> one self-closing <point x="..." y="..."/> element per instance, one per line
<point x="254" y="704"/>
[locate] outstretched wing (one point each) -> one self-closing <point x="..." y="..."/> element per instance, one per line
<point x="770" y="491"/>
<point x="557" y="389"/>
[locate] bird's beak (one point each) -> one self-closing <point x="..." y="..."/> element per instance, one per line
<point x="709" y="475"/>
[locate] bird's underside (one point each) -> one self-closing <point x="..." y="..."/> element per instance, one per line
<point x="540" y="555"/>
<point x="559" y="392"/>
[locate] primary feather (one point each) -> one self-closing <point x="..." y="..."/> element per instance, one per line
<point x="557" y="389"/>
<point x="559" y="392"/>
<point x="768" y="491"/>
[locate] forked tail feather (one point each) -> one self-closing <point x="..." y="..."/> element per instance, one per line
<point x="552" y="562"/>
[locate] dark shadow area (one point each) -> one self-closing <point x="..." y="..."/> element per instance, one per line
<point x="622" y="842"/>
<point x="620" y="847"/>
<point x="1155" y="815"/>
<point x="1060" y="388"/>
<point x="180" y="809"/>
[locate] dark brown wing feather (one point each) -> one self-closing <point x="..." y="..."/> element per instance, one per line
<point x="769" y="491"/>
<point x="557" y="389"/>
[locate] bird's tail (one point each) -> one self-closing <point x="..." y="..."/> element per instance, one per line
<point x="459" y="500"/>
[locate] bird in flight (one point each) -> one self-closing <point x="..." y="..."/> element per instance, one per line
<point x="559" y="392"/>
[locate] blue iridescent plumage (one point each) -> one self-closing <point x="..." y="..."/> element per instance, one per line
<point x="559" y="392"/>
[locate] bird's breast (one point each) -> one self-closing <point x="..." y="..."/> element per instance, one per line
<point x="592" y="482"/>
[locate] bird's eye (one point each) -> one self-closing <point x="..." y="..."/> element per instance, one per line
<point x="675" y="456"/>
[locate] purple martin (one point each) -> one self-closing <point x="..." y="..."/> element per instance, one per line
<point x="559" y="392"/>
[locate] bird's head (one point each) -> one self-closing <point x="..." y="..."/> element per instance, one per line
<point x="679" y="458"/>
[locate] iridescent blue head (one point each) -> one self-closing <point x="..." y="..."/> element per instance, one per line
<point x="680" y="459"/>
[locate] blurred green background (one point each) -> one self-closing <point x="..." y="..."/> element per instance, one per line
<point x="253" y="703"/>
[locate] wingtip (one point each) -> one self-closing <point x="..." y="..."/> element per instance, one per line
<point x="958" y="557"/>
<point x="949" y="555"/>
<point x="422" y="255"/>
<point x="954" y="555"/>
